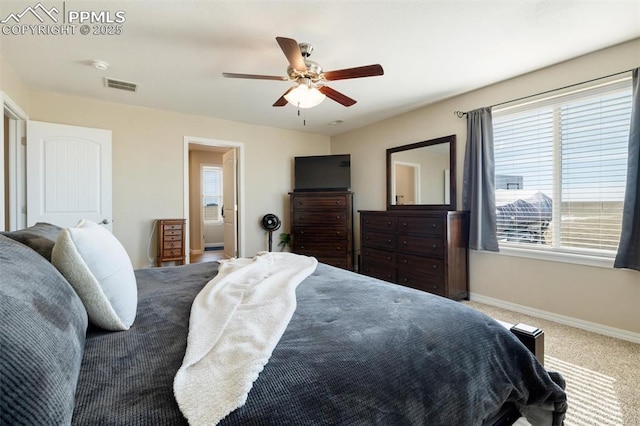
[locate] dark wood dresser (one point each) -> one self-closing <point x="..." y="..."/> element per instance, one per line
<point x="423" y="250"/>
<point x="322" y="226"/>
<point x="171" y="233"/>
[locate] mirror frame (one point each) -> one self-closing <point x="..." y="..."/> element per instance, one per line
<point x="451" y="139"/>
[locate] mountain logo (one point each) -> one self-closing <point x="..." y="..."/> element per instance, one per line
<point x="39" y="11"/>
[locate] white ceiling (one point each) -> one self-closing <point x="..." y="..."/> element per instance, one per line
<point x="430" y="50"/>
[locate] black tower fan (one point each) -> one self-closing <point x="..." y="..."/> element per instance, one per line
<point x="270" y="222"/>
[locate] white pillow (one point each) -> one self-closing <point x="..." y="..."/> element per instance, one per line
<point x="99" y="269"/>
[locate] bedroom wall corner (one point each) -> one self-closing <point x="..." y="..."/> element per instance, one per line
<point x="593" y="294"/>
<point x="148" y="175"/>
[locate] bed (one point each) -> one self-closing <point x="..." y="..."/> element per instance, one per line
<point x="356" y="351"/>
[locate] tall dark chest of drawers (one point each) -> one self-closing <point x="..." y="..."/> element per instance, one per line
<point x="423" y="250"/>
<point x="322" y="226"/>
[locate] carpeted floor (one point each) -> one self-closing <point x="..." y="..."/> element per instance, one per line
<point x="602" y="373"/>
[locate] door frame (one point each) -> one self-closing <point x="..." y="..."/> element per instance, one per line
<point x="17" y="167"/>
<point x="239" y="146"/>
<point x="417" y="190"/>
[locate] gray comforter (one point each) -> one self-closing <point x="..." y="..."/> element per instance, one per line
<point x="357" y="351"/>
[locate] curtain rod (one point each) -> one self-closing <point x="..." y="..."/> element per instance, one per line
<point x="461" y="114"/>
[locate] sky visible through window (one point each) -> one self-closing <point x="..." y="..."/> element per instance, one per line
<point x="593" y="138"/>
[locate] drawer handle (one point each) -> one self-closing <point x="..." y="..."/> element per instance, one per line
<point x="435" y="267"/>
<point x="406" y="280"/>
<point x="389" y="257"/>
<point x="435" y="287"/>
<point x="405" y="261"/>
<point x="405" y="242"/>
<point x="367" y="238"/>
<point x="302" y="247"/>
<point x="435" y="246"/>
<point x="389" y="240"/>
<point x="337" y="201"/>
<point x="338" y="217"/>
<point x="301" y="217"/>
<point x="367" y="221"/>
<point x="433" y="225"/>
<point x="337" y="247"/>
<point x="404" y="224"/>
<point x="389" y="223"/>
<point x="301" y="232"/>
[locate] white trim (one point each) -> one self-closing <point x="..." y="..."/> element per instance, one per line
<point x="239" y="146"/>
<point x="618" y="333"/>
<point x="554" y="255"/>
<point x="16" y="162"/>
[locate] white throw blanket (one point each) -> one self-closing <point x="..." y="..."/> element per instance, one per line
<point x="236" y="321"/>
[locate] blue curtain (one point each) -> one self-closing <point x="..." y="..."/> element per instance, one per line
<point x="478" y="185"/>
<point x="628" y="255"/>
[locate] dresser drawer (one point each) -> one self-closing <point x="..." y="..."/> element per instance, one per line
<point x="379" y="239"/>
<point x="168" y="238"/>
<point x="339" y="262"/>
<point x="173" y="227"/>
<point x="376" y="256"/>
<point x="168" y="254"/>
<point x="306" y="233"/>
<point x="320" y="248"/>
<point x="415" y="279"/>
<point x="172" y="244"/>
<point x="177" y="232"/>
<point x="379" y="223"/>
<point x="428" y="266"/>
<point x="433" y="226"/>
<point x="376" y="270"/>
<point x="302" y="202"/>
<point x="426" y="246"/>
<point x="324" y="217"/>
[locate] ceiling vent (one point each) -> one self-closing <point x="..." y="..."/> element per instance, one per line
<point x="119" y="84"/>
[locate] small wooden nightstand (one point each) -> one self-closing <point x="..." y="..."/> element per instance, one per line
<point x="171" y="234"/>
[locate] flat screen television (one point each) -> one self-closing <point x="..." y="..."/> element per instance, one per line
<point x="322" y="173"/>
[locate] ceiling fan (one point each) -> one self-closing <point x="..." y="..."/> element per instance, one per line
<point x="309" y="76"/>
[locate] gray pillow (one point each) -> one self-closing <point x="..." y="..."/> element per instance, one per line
<point x="41" y="237"/>
<point x="41" y="338"/>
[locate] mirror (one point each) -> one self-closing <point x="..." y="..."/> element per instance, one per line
<point x="422" y="175"/>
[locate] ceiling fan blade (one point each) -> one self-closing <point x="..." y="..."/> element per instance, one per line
<point x="292" y="51"/>
<point x="357" y="72"/>
<point x="255" y="76"/>
<point x="282" y="101"/>
<point x="336" y="96"/>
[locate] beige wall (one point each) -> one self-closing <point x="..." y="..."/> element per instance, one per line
<point x="148" y="173"/>
<point x="604" y="296"/>
<point x="13" y="86"/>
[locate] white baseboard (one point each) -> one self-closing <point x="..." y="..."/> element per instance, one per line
<point x="562" y="319"/>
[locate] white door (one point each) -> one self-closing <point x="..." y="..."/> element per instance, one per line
<point x="230" y="203"/>
<point x="68" y="174"/>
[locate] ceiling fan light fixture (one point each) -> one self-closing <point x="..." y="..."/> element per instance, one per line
<point x="305" y="96"/>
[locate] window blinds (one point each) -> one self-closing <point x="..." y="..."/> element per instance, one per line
<point x="560" y="168"/>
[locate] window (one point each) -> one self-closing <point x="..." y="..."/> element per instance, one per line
<point x="211" y="194"/>
<point x="560" y="171"/>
